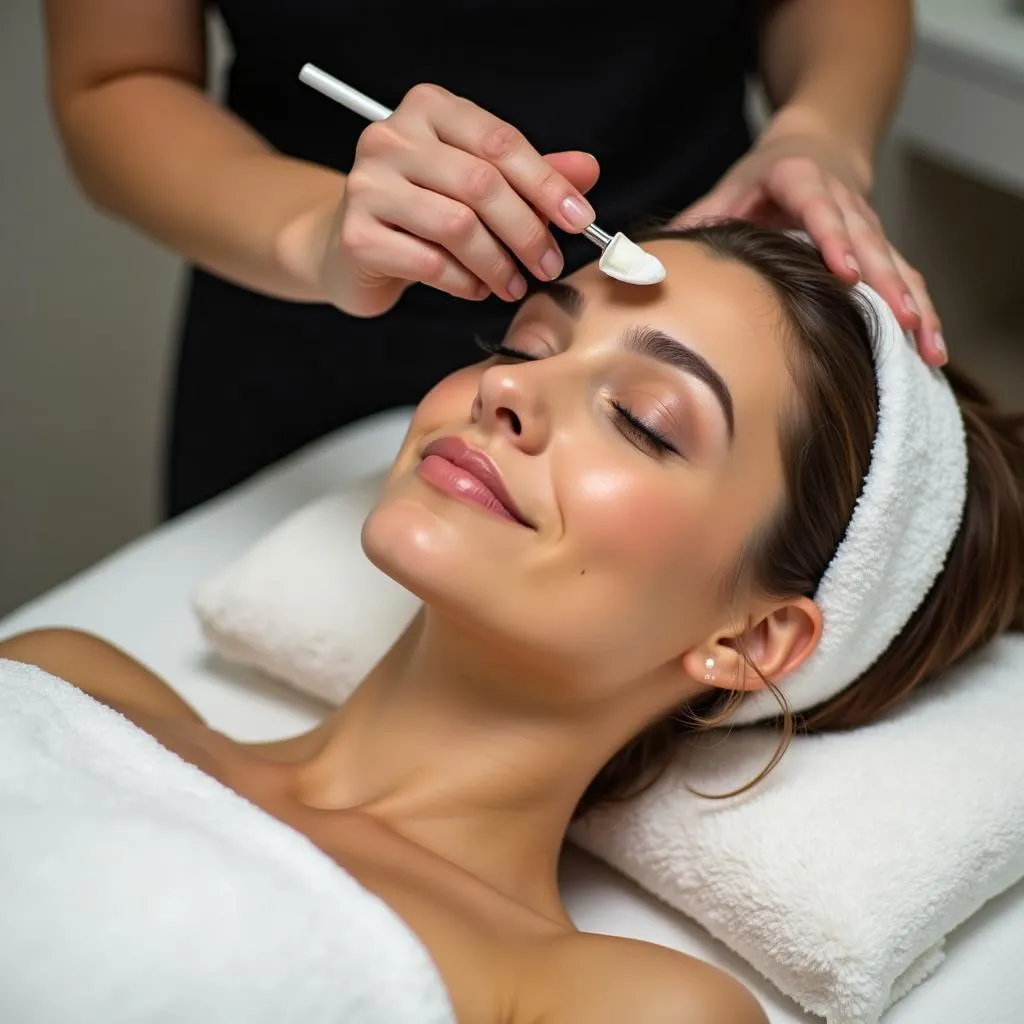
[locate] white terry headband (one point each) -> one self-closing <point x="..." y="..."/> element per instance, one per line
<point x="901" y="531"/>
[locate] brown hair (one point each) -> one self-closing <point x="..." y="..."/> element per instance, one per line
<point x="826" y="445"/>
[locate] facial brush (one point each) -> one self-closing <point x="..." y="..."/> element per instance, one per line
<point x="620" y="258"/>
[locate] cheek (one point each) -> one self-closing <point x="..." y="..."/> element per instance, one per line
<point x="447" y="404"/>
<point x="411" y="534"/>
<point x="450" y="400"/>
<point x="643" y="537"/>
<point x="632" y="574"/>
<point x="616" y="515"/>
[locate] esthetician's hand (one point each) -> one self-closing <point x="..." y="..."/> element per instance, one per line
<point x="442" y="192"/>
<point x="806" y="179"/>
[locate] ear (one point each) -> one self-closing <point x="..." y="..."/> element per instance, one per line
<point x="778" y="640"/>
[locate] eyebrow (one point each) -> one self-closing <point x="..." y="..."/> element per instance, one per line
<point x="653" y="344"/>
<point x="568" y="299"/>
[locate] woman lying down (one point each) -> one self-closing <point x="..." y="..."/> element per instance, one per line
<point x="649" y="510"/>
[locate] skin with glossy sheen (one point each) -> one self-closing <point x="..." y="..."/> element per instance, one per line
<point x="629" y="543"/>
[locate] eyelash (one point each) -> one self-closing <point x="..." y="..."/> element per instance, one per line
<point x="496" y="348"/>
<point x="639" y="433"/>
<point x="634" y="430"/>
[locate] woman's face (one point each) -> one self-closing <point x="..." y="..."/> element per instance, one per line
<point x="635" y="431"/>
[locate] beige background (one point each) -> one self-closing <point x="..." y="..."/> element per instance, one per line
<point x="87" y="311"/>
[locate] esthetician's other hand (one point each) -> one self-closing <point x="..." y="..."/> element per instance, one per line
<point x="806" y="179"/>
<point x="442" y="192"/>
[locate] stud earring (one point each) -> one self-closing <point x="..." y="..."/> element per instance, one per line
<point x="709" y="674"/>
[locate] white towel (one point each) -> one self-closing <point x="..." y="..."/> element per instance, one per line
<point x="837" y="876"/>
<point x="135" y="888"/>
<point x="901" y="531"/>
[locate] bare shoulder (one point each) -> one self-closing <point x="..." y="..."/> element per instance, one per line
<point x="607" y="980"/>
<point x="99" y="669"/>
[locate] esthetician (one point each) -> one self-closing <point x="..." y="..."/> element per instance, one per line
<point x="651" y="96"/>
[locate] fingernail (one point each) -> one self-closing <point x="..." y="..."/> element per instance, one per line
<point x="481" y="292"/>
<point x="551" y="263"/>
<point x="577" y="211"/>
<point x="517" y="286"/>
<point x="851" y="262"/>
<point x="940" y="346"/>
<point x="910" y="305"/>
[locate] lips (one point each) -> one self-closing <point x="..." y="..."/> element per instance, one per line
<point x="454" y="467"/>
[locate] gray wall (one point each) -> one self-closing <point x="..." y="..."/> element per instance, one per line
<point x="87" y="310"/>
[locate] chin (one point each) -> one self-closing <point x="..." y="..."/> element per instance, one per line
<point x="475" y="573"/>
<point x="399" y="539"/>
<point x="432" y="547"/>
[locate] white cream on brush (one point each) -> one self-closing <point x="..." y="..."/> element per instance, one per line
<point x="626" y="261"/>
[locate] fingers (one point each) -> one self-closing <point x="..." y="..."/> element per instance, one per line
<point x="878" y="266"/>
<point x="454" y="227"/>
<point x="467" y="127"/>
<point x="389" y="260"/>
<point x="798" y="186"/>
<point x="581" y="169"/>
<point x="899" y="284"/>
<point x="491" y="186"/>
<point x="853" y="244"/>
<point x="444" y="193"/>
<point x="479" y="195"/>
<point x="865" y="252"/>
<point x="929" y="338"/>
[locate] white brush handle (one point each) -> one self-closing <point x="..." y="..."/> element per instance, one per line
<point x="344" y="94"/>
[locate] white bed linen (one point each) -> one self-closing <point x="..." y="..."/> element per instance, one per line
<point x="139" y="599"/>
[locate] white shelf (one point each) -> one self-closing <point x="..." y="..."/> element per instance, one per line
<point x="964" y="100"/>
<point x="985" y="35"/>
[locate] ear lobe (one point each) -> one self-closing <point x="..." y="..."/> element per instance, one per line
<point x="772" y="647"/>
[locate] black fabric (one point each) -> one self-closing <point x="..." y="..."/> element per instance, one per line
<point x="656" y="94"/>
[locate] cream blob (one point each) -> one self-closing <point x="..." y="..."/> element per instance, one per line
<point x="626" y="261"/>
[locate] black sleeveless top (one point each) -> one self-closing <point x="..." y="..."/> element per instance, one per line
<point x="655" y="91"/>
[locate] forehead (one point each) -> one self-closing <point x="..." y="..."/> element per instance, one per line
<point x="723" y="310"/>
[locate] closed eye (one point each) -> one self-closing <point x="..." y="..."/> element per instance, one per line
<point x="632" y="428"/>
<point x="501" y="351"/>
<point x="640" y="434"/>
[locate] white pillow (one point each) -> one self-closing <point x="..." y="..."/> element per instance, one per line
<point x="837" y="877"/>
<point x="305" y="604"/>
<point x="840" y="874"/>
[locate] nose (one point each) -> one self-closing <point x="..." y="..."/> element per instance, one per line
<point x="510" y="400"/>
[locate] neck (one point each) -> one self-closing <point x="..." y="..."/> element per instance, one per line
<point x="443" y="743"/>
